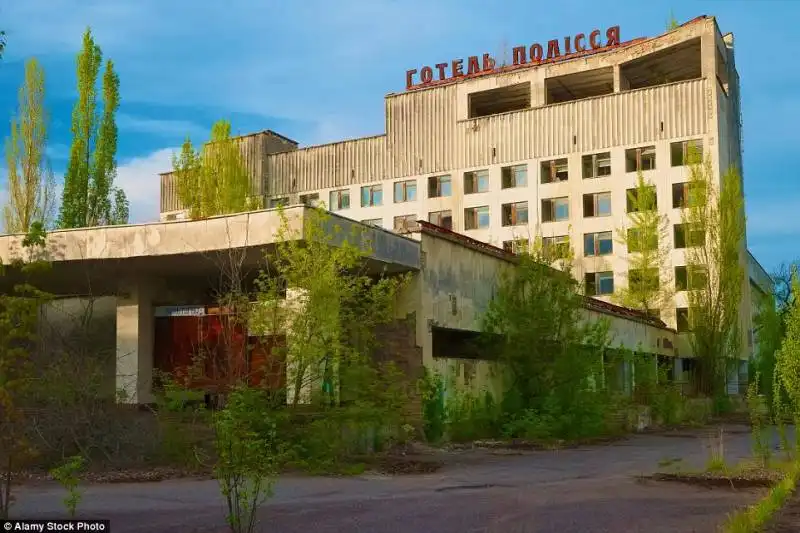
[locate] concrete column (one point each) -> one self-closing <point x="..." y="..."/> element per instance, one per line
<point x="620" y="81"/>
<point x="135" y="338"/>
<point x="678" y="369"/>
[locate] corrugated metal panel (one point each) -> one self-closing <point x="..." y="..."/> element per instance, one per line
<point x="425" y="137"/>
<point x="169" y="193"/>
<point x="331" y="165"/>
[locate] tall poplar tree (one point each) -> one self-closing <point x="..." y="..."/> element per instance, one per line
<point x="215" y="180"/>
<point x="714" y="231"/>
<point x="30" y="180"/>
<point x="646" y="237"/>
<point x="90" y="198"/>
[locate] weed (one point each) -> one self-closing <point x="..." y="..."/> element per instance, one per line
<point x="68" y="474"/>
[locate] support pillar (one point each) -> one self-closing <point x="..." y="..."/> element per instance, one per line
<point x="135" y="338"/>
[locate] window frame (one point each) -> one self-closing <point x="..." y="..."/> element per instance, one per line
<point x="596" y="282"/>
<point x="596" y="240"/>
<point x="552" y="202"/>
<point x="593" y="165"/>
<point x="405" y="187"/>
<point x="595" y="197"/>
<point x="472" y="215"/>
<point x="641" y="153"/>
<point x="476" y="177"/>
<point x="511" y="218"/>
<point x="440" y="213"/>
<point x="412" y="217"/>
<point x="435" y="184"/>
<point x="371" y="190"/>
<point x="341" y="194"/>
<point x="509" y="176"/>
<point x="549" y="170"/>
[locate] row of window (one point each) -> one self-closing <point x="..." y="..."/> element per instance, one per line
<point x="513" y="214"/>
<point x="477" y="181"/>
<point x="687" y="278"/>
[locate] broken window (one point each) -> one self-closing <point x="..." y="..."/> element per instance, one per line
<point x="555" y="209"/>
<point x="500" y="100"/>
<point x="278" y="202"/>
<point x="311" y="200"/>
<point x="371" y="195"/>
<point x="596" y="165"/>
<point x="557" y="246"/>
<point x="644" y="199"/>
<point x="442" y="219"/>
<point x="638" y="243"/>
<point x="515" y="214"/>
<point x="690" y="278"/>
<point x="339" y="200"/>
<point x="597" y="204"/>
<point x="640" y="159"/>
<point x="686" y="152"/>
<point x="476" y="181"/>
<point x="405" y="191"/>
<point x="377" y="222"/>
<point x="600" y="243"/>
<point x="439" y="186"/>
<point x="599" y="283"/>
<point x="643" y="279"/>
<point x="554" y="171"/>
<point x="405" y="223"/>
<point x="692" y="238"/>
<point x="516" y="246"/>
<point x="682" y="319"/>
<point x="516" y="176"/>
<point x="476" y="217"/>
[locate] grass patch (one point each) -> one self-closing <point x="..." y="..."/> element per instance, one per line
<point x="755" y="517"/>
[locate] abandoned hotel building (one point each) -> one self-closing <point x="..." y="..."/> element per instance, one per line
<point x="477" y="157"/>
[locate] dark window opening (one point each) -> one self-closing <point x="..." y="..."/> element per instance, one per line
<point x="597" y="204"/>
<point x="515" y="214"/>
<point x="580" y="85"/>
<point x="682" y="319"/>
<point x="500" y="100"/>
<point x="555" y="209"/>
<point x="516" y="176"/>
<point x="684" y="239"/>
<point x="461" y="344"/>
<point x="677" y="63"/>
<point x="439" y="186"/>
<point x="640" y="159"/>
<point x="686" y="153"/>
<point x="596" y="165"/>
<point x="690" y="278"/>
<point x="442" y="219"/>
<point x="476" y="181"/>
<point x="599" y="283"/>
<point x="554" y="171"/>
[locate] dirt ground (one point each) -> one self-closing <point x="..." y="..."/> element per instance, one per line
<point x="598" y="488"/>
<point x="787" y="520"/>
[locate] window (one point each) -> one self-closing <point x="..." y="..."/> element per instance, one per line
<point x="645" y="199"/>
<point x="371" y="195"/>
<point x="596" y="165"/>
<point x="690" y="278"/>
<point x="405" y="223"/>
<point x="696" y="237"/>
<point x="278" y="202"/>
<point x="172" y="217"/>
<point x="405" y="191"/>
<point x="640" y="159"/>
<point x="555" y="209"/>
<point x="516" y="176"/>
<point x="597" y="204"/>
<point x="643" y="279"/>
<point x="377" y="222"/>
<point x="442" y="219"/>
<point x="515" y="214"/>
<point x="476" y="181"/>
<point x="500" y="100"/>
<point x="311" y="200"/>
<point x="555" y="171"/>
<point x="686" y="152"/>
<point x="686" y="194"/>
<point x="600" y="243"/>
<point x="340" y="200"/>
<point x="556" y="246"/>
<point x="638" y="243"/>
<point x="439" y="186"/>
<point x="516" y="246"/>
<point x="682" y="319"/>
<point x="599" y="283"/>
<point x="476" y="217"/>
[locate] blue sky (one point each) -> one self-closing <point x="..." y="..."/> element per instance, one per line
<point x="317" y="72"/>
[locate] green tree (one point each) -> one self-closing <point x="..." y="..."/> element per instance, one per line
<point x="214" y="180"/>
<point x="2" y="43"/>
<point x="30" y="180"/>
<point x="89" y="197"/>
<point x="646" y="237"/>
<point x="768" y="329"/>
<point x="714" y="229"/>
<point x="788" y="357"/>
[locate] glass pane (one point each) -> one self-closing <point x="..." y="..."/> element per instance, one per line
<point x="522" y="176"/>
<point x="411" y="191"/>
<point x="605" y="283"/>
<point x="377" y="196"/>
<point x="606" y="244"/>
<point x="398" y="192"/>
<point x="445" y="186"/>
<point x="603" y="204"/>
<point x="345" y="199"/>
<point x="334" y="201"/>
<point x="364" y="196"/>
<point x="562" y="209"/>
<point x="483" y="217"/>
<point x="588" y="244"/>
<point x="483" y="182"/>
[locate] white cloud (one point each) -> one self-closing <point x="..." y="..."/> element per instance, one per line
<point x="138" y="177"/>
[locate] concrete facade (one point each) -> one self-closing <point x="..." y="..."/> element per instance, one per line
<point x="125" y="272"/>
<point x="584" y="111"/>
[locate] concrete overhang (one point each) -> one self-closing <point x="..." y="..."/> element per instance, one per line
<point x="97" y="260"/>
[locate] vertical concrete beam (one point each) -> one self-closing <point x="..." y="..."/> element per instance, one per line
<point x="621" y="83"/>
<point x="135" y="339"/>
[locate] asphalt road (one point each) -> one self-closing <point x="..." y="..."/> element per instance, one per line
<point x="591" y="489"/>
